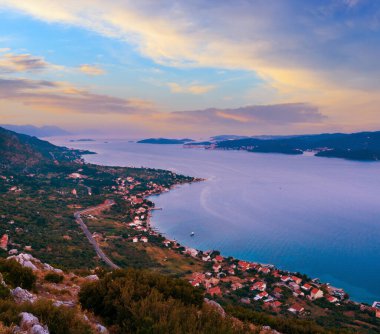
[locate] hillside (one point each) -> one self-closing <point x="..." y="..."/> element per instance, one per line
<point x="31" y="130"/>
<point x="355" y="146"/>
<point x="19" y="150"/>
<point x="163" y="287"/>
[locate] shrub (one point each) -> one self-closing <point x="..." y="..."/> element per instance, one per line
<point x="137" y="301"/>
<point x="53" y="277"/>
<point x="60" y="320"/>
<point x="16" y="275"/>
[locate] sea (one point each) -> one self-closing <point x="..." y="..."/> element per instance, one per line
<point x="318" y="216"/>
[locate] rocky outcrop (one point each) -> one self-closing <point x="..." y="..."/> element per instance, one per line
<point x="27" y="260"/>
<point x="216" y="306"/>
<point x="21" y="295"/>
<point x="92" y="278"/>
<point x="30" y="324"/>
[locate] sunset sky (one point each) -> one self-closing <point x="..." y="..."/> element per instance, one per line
<point x="191" y="68"/>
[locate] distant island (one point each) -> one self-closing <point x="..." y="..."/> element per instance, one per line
<point x="165" y="141"/>
<point x="81" y="140"/>
<point x="361" y="146"/>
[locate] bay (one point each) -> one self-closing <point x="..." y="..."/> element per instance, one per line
<point x="313" y="215"/>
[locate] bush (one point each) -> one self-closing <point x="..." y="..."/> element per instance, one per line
<point x="60" y="320"/>
<point x="137" y="301"/>
<point x="15" y="274"/>
<point x="53" y="277"/>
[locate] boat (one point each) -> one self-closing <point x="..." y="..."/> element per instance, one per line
<point x="192" y="234"/>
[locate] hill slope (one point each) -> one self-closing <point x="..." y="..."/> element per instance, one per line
<point x="355" y="146"/>
<point x="19" y="150"/>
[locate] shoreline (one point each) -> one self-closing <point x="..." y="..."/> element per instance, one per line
<point x="156" y="231"/>
<point x="153" y="229"/>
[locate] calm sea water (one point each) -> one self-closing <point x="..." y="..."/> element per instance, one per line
<point x="314" y="215"/>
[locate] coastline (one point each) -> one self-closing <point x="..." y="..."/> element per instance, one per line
<point x="153" y="229"/>
<point x="316" y="281"/>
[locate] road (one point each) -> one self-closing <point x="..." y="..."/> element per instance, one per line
<point x="79" y="220"/>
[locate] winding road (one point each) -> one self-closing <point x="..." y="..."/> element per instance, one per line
<point x="79" y="220"/>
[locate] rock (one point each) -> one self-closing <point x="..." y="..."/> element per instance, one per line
<point x="29" y="264"/>
<point x="48" y="267"/>
<point x="28" y="320"/>
<point x="217" y="306"/>
<point x="101" y="329"/>
<point x="21" y="295"/>
<point x="31" y="325"/>
<point x="59" y="303"/>
<point x="92" y="277"/>
<point x="38" y="329"/>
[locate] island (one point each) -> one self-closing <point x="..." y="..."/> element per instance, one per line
<point x="165" y="141"/>
<point x="361" y="146"/>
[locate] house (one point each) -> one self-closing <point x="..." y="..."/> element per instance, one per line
<point x="294" y="286"/>
<point x="261" y="295"/>
<point x="316" y="294"/>
<point x="167" y="243"/>
<point x="296" y="280"/>
<point x="296" y="308"/>
<point x="144" y="239"/>
<point x="191" y="251"/>
<point x="261" y="286"/>
<point x="244" y="266"/>
<point x="298" y="293"/>
<point x="332" y="299"/>
<point x="306" y="287"/>
<point x="285" y="278"/>
<point x="4" y="242"/>
<point x="276" y="304"/>
<point x="206" y="258"/>
<point x="376" y="306"/>
<point x="277" y="292"/>
<point x="264" y="270"/>
<point x="219" y="258"/>
<point x="245" y="301"/>
<point x="214" y="291"/>
<point x="195" y="283"/>
<point x="135" y="239"/>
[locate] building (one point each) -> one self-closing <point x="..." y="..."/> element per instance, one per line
<point x="376" y="306"/>
<point x="296" y="308"/>
<point x="214" y="291"/>
<point x="296" y="280"/>
<point x="261" y="286"/>
<point x="316" y="294"/>
<point x="144" y="239"/>
<point x="4" y="242"/>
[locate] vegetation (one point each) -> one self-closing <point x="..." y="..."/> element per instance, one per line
<point x="53" y="277"/>
<point x="60" y="320"/>
<point x="356" y="146"/>
<point x="16" y="275"/>
<point x="137" y="301"/>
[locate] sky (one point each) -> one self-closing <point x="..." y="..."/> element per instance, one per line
<point x="191" y="68"/>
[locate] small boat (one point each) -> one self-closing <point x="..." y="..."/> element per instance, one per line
<point x="192" y="234"/>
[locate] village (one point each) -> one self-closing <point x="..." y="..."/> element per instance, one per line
<point x="261" y="286"/>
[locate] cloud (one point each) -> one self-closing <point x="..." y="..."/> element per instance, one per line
<point x="190" y="89"/>
<point x="260" y="114"/>
<point x="61" y="98"/>
<point x="91" y="69"/>
<point x="13" y="63"/>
